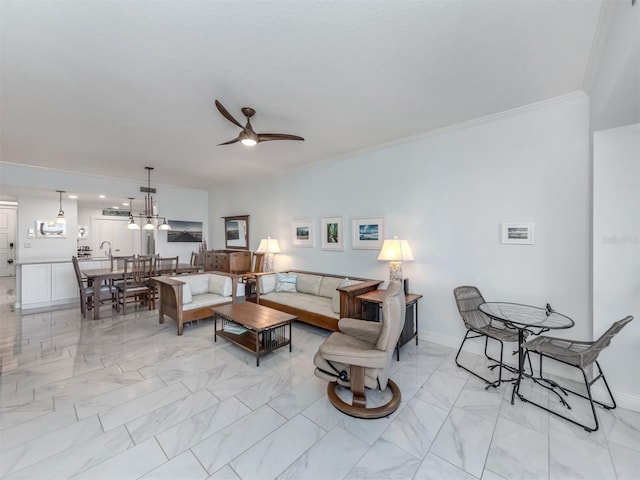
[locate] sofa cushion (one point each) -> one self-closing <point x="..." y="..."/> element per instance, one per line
<point x="220" y="284"/>
<point x="286" y="282"/>
<point x="335" y="299"/>
<point x="267" y="283"/>
<point x="304" y="301"/>
<point x="186" y="294"/>
<point x="308" y="283"/>
<point x="328" y="286"/>
<point x="205" y="300"/>
<point x="199" y="283"/>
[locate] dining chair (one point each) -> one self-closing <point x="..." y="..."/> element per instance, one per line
<point x="195" y="261"/>
<point x="165" y="266"/>
<point x="250" y="280"/>
<point x="581" y="355"/>
<point x="89" y="299"/>
<point x="137" y="283"/>
<point x="479" y="325"/>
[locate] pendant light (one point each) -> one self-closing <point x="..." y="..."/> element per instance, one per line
<point x="60" y="218"/>
<point x="132" y="225"/>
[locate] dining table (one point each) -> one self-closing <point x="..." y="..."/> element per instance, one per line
<point x="525" y="319"/>
<point x="96" y="276"/>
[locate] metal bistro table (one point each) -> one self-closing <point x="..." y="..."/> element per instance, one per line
<point x="535" y="320"/>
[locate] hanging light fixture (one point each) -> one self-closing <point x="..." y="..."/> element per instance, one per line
<point x="132" y="225"/>
<point x="60" y="218"/>
<point x="149" y="209"/>
<point x="165" y="225"/>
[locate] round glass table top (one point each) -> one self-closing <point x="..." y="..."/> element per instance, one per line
<point x="526" y="315"/>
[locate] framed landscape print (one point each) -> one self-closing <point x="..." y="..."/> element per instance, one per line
<point x="517" y="233"/>
<point x="302" y="233"/>
<point x="332" y="234"/>
<point x="367" y="233"/>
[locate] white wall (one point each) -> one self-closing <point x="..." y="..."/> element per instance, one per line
<point x="32" y="208"/>
<point x="447" y="194"/>
<point x="616" y="250"/>
<point x="615" y="82"/>
<point x="176" y="203"/>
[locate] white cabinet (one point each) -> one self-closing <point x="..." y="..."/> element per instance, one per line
<point x="46" y="284"/>
<point x="36" y="283"/>
<point x="113" y="230"/>
<point x="64" y="285"/>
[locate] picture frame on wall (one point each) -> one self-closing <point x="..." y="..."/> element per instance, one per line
<point x="302" y="233"/>
<point x="332" y="234"/>
<point x="367" y="233"/>
<point x="518" y="233"/>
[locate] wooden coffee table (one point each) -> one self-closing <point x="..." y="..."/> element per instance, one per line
<point x="254" y="327"/>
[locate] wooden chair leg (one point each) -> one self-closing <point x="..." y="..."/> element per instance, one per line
<point x="357" y="386"/>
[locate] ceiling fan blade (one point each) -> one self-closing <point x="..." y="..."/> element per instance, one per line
<point x="230" y="141"/>
<point x="226" y="114"/>
<point x="265" y="137"/>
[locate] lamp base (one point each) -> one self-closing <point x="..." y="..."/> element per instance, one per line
<point x="395" y="271"/>
<point x="268" y="262"/>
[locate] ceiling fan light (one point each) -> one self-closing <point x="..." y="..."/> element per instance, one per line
<point x="249" y="142"/>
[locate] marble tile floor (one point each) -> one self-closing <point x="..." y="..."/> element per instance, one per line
<point x="125" y="397"/>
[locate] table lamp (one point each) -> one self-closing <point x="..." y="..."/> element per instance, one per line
<point x="395" y="251"/>
<point x="268" y="246"/>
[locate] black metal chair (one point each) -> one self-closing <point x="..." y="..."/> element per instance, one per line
<point x="581" y="355"/>
<point x="468" y="299"/>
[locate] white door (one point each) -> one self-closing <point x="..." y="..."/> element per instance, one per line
<point x="112" y="230"/>
<point x="7" y="241"/>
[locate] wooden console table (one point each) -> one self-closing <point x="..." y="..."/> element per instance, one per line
<point x="372" y="310"/>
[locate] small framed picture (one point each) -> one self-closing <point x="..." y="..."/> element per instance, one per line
<point x="302" y="234"/>
<point x="367" y="233"/>
<point x="332" y="234"/>
<point x="517" y="233"/>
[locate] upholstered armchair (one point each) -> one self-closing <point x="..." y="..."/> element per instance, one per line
<point x="359" y="356"/>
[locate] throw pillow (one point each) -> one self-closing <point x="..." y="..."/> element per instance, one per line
<point x="186" y="294"/>
<point x="335" y="301"/>
<point x="286" y="282"/>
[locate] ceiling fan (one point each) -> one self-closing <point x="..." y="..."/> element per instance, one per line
<point x="248" y="136"/>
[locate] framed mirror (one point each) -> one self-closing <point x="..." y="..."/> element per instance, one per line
<point x="236" y="232"/>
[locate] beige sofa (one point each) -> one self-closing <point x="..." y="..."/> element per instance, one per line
<point x="190" y="297"/>
<point x="320" y="299"/>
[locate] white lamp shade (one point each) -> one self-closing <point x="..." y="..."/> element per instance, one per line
<point x="395" y="250"/>
<point x="268" y="245"/>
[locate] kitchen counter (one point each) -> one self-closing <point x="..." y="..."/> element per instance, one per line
<point x="34" y="261"/>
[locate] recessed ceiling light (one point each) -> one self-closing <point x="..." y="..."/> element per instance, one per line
<point x="125" y="204"/>
<point x="101" y="196"/>
<point x="73" y="196"/>
<point x="115" y="207"/>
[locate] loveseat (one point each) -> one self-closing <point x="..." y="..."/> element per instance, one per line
<point x="319" y="299"/>
<point x="190" y="297"/>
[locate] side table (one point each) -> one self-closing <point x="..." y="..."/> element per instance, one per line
<point x="372" y="310"/>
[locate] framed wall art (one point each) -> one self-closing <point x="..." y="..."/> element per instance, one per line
<point x="367" y="233"/>
<point x="302" y="233"/>
<point x="517" y="233"/>
<point x="332" y="234"/>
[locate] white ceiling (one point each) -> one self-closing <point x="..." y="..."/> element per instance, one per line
<point x="108" y="87"/>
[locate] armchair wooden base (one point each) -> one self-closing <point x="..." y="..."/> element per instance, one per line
<point x="358" y="407"/>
